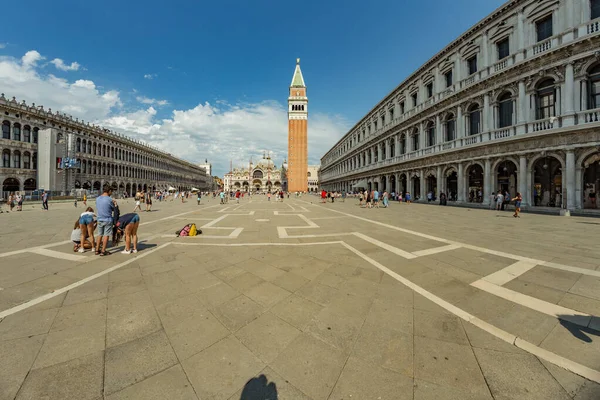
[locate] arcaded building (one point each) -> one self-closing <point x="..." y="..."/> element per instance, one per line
<point x="36" y="143"/>
<point x="513" y="104"/>
<point x="297" y="169"/>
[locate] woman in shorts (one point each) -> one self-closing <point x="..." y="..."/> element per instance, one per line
<point x="517" y="199"/>
<point x="76" y="237"/>
<point x="148" y="202"/>
<point x="87" y="223"/>
<point x="127" y="225"/>
<point x="137" y="204"/>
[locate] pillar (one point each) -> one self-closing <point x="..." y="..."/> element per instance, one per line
<point x="520" y="35"/>
<point x="570" y="179"/>
<point x="486" y="112"/>
<point x="569" y="118"/>
<point x="459" y="123"/>
<point x="523" y="106"/>
<point x="487" y="181"/>
<point x="461" y="183"/>
<point x="523" y="188"/>
<point x="439" y="139"/>
<point x="438" y="181"/>
<point x="423" y="187"/>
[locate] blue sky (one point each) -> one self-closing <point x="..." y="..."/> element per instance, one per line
<point x="209" y="79"/>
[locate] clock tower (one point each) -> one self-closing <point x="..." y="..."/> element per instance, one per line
<point x="297" y="172"/>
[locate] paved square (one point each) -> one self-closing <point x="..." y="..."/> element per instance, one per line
<point x="315" y="301"/>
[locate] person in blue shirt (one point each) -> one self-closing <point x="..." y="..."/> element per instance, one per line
<point x="105" y="207"/>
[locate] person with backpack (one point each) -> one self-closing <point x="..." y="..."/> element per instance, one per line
<point x="127" y="225"/>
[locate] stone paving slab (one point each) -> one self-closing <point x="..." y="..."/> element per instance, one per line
<point x="189" y="321"/>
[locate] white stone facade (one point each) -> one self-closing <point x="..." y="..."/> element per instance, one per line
<point x="263" y="177"/>
<point x="512" y="104"/>
<point x="313" y="178"/>
<point x="104" y="157"/>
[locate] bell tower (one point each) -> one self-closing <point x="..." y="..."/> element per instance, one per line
<point x="297" y="172"/>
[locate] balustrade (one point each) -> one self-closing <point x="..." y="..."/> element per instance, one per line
<point x="499" y="66"/>
<point x="589" y="116"/>
<point x="471" y="140"/>
<point x="543" y="124"/>
<point x="503" y="133"/>
<point x="593" y="26"/>
<point x="542" y="47"/>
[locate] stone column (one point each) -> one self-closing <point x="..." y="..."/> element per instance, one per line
<point x="379" y="152"/>
<point x="459" y="123"/>
<point x="569" y="84"/>
<point x="570" y="179"/>
<point x="520" y="35"/>
<point x="439" y="139"/>
<point x="457" y="70"/>
<point x="438" y="181"/>
<point x="461" y="183"/>
<point x="484" y="51"/>
<point x="422" y="141"/>
<point x="523" y="188"/>
<point x="486" y="112"/>
<point x="487" y="181"/>
<point x="523" y="108"/>
<point x="423" y="194"/>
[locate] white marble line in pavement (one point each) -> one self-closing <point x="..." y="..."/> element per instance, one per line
<point x="254" y="244"/>
<point x="45" y="246"/>
<point x="509" y="273"/>
<point x="554" y="358"/>
<point x="31" y="303"/>
<point x="59" y="255"/>
<point x="385" y="246"/>
<point x="563" y="267"/>
<point x="436" y="250"/>
<point x="554" y="310"/>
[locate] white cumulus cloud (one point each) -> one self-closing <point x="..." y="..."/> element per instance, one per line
<point x="147" y="100"/>
<point x="220" y="132"/>
<point x="150" y="76"/>
<point x="60" y="64"/>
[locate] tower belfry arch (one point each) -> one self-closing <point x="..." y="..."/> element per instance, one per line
<point x="297" y="133"/>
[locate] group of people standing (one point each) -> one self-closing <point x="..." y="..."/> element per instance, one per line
<point x="373" y="199"/>
<point x="108" y="222"/>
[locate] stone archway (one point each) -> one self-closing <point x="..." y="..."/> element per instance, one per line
<point x="11" y="185"/>
<point x="591" y="180"/>
<point x="547" y="182"/>
<point x="29" y="185"/>
<point x="475" y="183"/>
<point x="97" y="186"/>
<point x="506" y="175"/>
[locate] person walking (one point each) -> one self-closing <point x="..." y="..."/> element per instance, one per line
<point x="19" y="202"/>
<point x="199" y="194"/>
<point x="137" y="203"/>
<point x="492" y="200"/>
<point x="105" y="206"/>
<point x="385" y="199"/>
<point x="376" y="198"/>
<point x="499" y="201"/>
<point x="517" y="199"/>
<point x="148" y="202"/>
<point x="85" y="200"/>
<point x="45" y="200"/>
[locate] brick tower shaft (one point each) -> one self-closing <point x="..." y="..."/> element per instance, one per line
<point x="297" y="174"/>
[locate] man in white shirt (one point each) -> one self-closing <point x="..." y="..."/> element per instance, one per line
<point x="499" y="200"/>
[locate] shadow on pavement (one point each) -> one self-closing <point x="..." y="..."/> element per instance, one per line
<point x="580" y="332"/>
<point x="258" y="389"/>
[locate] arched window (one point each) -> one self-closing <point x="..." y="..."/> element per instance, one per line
<point x="34" y="160"/>
<point x="35" y="135"/>
<point x="89" y="147"/>
<point x="27" y="133"/>
<point x="415" y="140"/>
<point x="430" y="134"/>
<point x="17" y="159"/>
<point x="505" y="110"/>
<point x="94" y="148"/>
<point x="78" y="145"/>
<point x="594" y="83"/>
<point x="403" y="144"/>
<point x="474" y="119"/>
<point x="5" y="158"/>
<point x="257" y="174"/>
<point x="59" y="137"/>
<point x="27" y="160"/>
<point x="450" y="128"/>
<point x="17" y="131"/>
<point x="545" y="99"/>
<point x="308" y="174"/>
<point x="5" y="130"/>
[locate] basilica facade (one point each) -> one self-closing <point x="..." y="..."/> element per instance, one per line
<point x="513" y="104"/>
<point x="263" y="177"/>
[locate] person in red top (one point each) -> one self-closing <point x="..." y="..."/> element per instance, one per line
<point x="237" y="196"/>
<point x="323" y="196"/>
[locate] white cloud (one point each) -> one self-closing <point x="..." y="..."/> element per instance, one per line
<point x="2" y="45"/>
<point x="60" y="64"/>
<point x="231" y="132"/>
<point x="23" y="79"/>
<point x="150" y="76"/>
<point x="31" y="58"/>
<point x="220" y="132"/>
<point x="147" y="100"/>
